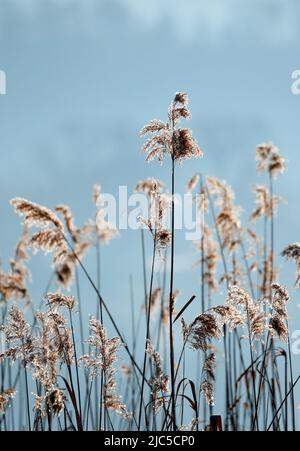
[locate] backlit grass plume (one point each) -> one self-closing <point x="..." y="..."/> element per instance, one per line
<point x="232" y="368"/>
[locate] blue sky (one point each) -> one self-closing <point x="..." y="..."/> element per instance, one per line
<point x="84" y="76"/>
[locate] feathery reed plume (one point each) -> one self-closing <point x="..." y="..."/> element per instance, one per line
<point x="202" y="200"/>
<point x="17" y="264"/>
<point x="279" y="327"/>
<point x="66" y="213"/>
<point x="157" y="145"/>
<point x="254" y="251"/>
<point x="256" y="322"/>
<point x="192" y="183"/>
<point x="47" y="239"/>
<point x="45" y="360"/>
<point x="229" y="315"/>
<point x="39" y="406"/>
<point x="53" y="346"/>
<point x="163" y="238"/>
<point x="21" y="345"/>
<point x="50" y="241"/>
<point x="53" y="402"/>
<point x="253" y="312"/>
<point x="165" y="314"/>
<point x="269" y="159"/>
<point x="12" y="287"/>
<point x="265" y="205"/>
<point x="17" y="333"/>
<point x="279" y="317"/>
<point x="36" y="215"/>
<point x="149" y="186"/>
<point x="5" y="399"/>
<point x="56" y="401"/>
<point x="60" y="300"/>
<point x="44" y="352"/>
<point x="185" y="330"/>
<point x="159" y="204"/>
<point x="280" y="300"/>
<point x="204" y="328"/>
<point x="292" y="252"/>
<point x="166" y="139"/>
<point x="155" y="299"/>
<point x="209" y="257"/>
<point x="105" y="231"/>
<point x="184" y="145"/>
<point x="208" y="378"/>
<point x="159" y="382"/>
<point x="126" y="370"/>
<point x="159" y="201"/>
<point x="103" y="357"/>
<point x="269" y="273"/>
<point x="228" y="217"/>
<point x="13" y="284"/>
<point x="65" y="270"/>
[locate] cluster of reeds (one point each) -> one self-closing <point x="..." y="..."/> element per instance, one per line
<point x="55" y="377"/>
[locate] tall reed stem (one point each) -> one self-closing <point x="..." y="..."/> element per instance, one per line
<point x="148" y="315"/>
<point x="172" y="359"/>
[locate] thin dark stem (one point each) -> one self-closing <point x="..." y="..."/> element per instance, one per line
<point x="252" y="365"/>
<point x="227" y="390"/>
<point x="27" y="398"/>
<point x="76" y="362"/>
<point x="79" y="310"/>
<point x="292" y="382"/>
<point x="148" y="314"/>
<point x="162" y="303"/>
<point x="133" y="321"/>
<point x="88" y="405"/>
<point x="99" y="312"/>
<point x="261" y="385"/>
<point x="172" y="358"/>
<point x="280" y="407"/>
<point x="136" y="366"/>
<point x="144" y="268"/>
<point x="271" y="235"/>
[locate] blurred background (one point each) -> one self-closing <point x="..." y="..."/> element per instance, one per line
<point x="83" y="76"/>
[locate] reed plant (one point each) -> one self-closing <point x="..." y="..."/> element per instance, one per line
<point x="56" y="376"/>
